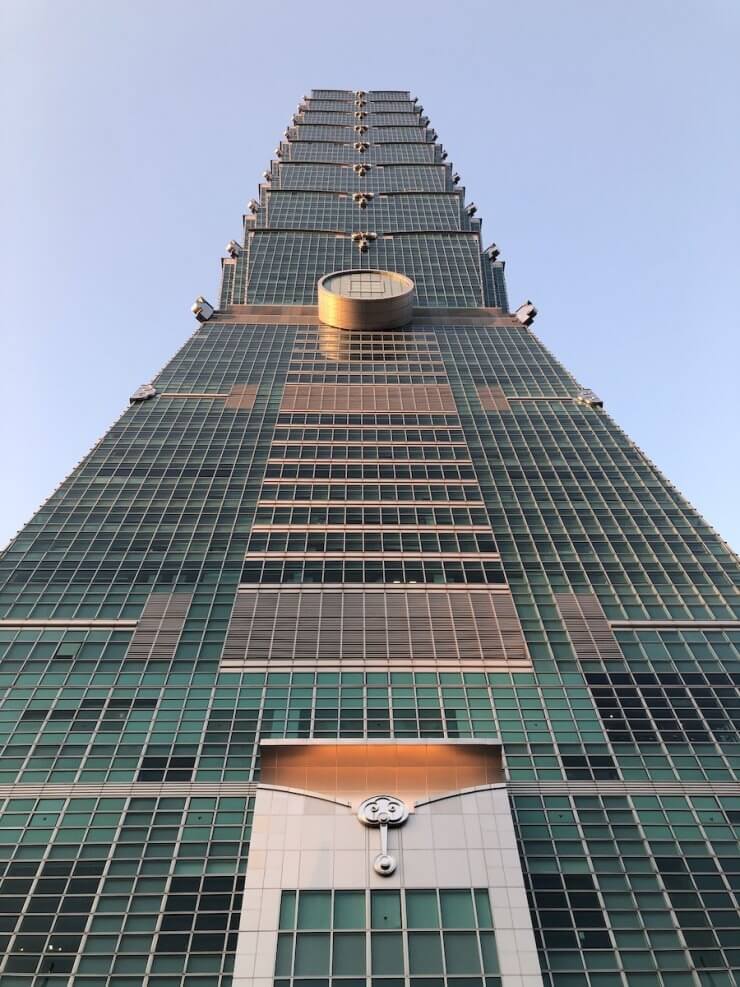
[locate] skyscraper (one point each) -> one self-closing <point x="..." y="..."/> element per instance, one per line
<point x="365" y="649"/>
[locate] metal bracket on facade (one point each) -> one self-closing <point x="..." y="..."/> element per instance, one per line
<point x="360" y="128"/>
<point x="363" y="240"/>
<point x="587" y="397"/>
<point x="143" y="393"/>
<point x="202" y="309"/>
<point x="362" y="198"/>
<point x="383" y="811"/>
<point x="361" y="146"/>
<point x="361" y="169"/>
<point x="526" y="313"/>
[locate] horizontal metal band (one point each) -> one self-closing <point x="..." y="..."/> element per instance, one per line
<point x="351" y="529"/>
<point x="307" y="315"/>
<point x="445" y="588"/>
<point x="671" y="624"/>
<point x="193" y="394"/>
<point x="133" y="789"/>
<point x="372" y="555"/>
<point x="82" y="622"/>
<point x="376" y="665"/>
<point x="323" y="481"/>
<point x="623" y="787"/>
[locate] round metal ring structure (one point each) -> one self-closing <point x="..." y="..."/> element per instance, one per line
<point x="366" y="299"/>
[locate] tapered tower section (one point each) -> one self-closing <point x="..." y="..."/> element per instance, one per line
<point x="365" y="649"/>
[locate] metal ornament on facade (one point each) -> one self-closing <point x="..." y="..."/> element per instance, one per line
<point x="365" y="299"/>
<point x="383" y="811"/>
<point x="363" y="240"/>
<point x="143" y="393"/>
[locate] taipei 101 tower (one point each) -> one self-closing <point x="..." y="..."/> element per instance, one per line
<point x="365" y="649"/>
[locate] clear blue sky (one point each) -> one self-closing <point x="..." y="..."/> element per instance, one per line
<point x="599" y="140"/>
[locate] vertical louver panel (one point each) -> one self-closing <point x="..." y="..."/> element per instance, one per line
<point x="241" y="397"/>
<point x="361" y="624"/>
<point x="587" y="626"/>
<point x="160" y="626"/>
<point x="368" y="397"/>
<point x="493" y="399"/>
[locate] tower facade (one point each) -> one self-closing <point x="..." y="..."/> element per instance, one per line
<point x="365" y="649"/>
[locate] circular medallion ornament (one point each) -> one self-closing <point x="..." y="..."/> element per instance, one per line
<point x="366" y="299"/>
<point x="383" y="811"/>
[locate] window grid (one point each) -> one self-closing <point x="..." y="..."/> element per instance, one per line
<point x="374" y="118"/>
<point x="344" y="105"/>
<point x="344" y="936"/>
<point x="285" y="266"/>
<point x="380" y="178"/>
<point x="79" y="899"/>
<point x="384" y="213"/>
<point x="620" y="886"/>
<point x="382" y="135"/>
<point x="345" y="153"/>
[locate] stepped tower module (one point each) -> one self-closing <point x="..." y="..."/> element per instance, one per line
<point x="364" y="649"/>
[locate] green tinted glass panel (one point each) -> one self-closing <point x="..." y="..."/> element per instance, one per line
<point x="457" y="909"/>
<point x="461" y="952"/>
<point x="483" y="909"/>
<point x="284" y="958"/>
<point x="387" y="953"/>
<point x="425" y="952"/>
<point x="349" y="954"/>
<point x="349" y="910"/>
<point x="287" y="910"/>
<point x="490" y="955"/>
<point x="422" y="911"/>
<point x="314" y="910"/>
<point x="385" y="909"/>
<point x="311" y="954"/>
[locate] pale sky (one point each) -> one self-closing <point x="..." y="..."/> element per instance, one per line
<point x="599" y="140"/>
